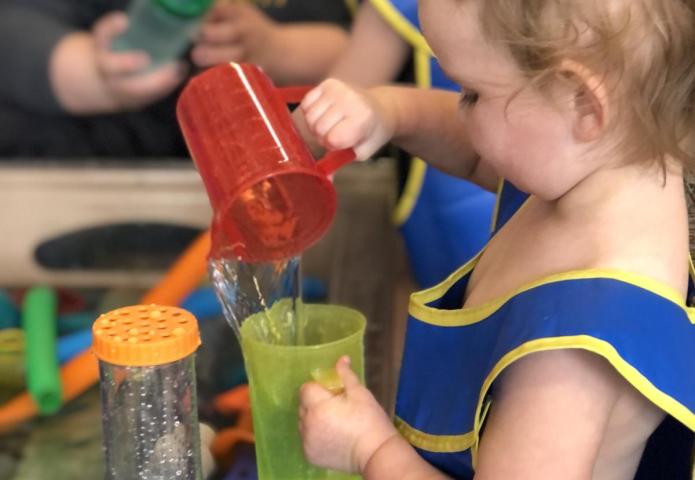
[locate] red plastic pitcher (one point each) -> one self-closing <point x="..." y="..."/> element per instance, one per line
<point x="270" y="198"/>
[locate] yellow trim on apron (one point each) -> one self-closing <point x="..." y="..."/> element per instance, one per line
<point x="422" y="56"/>
<point x="353" y="6"/>
<point x="469" y="315"/>
<point x="691" y="300"/>
<point x="434" y="443"/>
<point x="423" y="68"/>
<point x="498" y="199"/>
<point x="584" y="342"/>
<point x="411" y="191"/>
<point x="401" y="24"/>
<point x="418" y="167"/>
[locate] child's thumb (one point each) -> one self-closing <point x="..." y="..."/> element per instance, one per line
<point x="347" y="376"/>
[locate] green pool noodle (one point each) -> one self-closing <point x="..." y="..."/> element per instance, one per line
<point x="39" y="314"/>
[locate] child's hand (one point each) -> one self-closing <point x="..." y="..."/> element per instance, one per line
<point x="236" y="32"/>
<point x="342" y="432"/>
<point x="120" y="71"/>
<point x="341" y="116"/>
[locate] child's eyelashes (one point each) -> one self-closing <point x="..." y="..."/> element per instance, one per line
<point x="468" y="98"/>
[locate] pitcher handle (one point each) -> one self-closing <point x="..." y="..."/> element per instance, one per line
<point x="294" y="94"/>
<point x="335" y="159"/>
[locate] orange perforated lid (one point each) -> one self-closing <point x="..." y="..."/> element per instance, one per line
<point x="145" y="335"/>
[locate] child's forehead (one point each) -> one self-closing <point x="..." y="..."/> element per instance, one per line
<point x="452" y="28"/>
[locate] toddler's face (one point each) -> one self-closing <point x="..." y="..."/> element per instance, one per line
<point x="526" y="137"/>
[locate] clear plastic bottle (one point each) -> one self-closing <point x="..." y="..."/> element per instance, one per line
<point x="162" y="28"/>
<point x="148" y="393"/>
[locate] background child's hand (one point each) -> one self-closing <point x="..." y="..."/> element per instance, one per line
<point x="120" y="71"/>
<point x="236" y="32"/>
<point x="341" y="116"/>
<point x="88" y="77"/>
<point x="343" y="431"/>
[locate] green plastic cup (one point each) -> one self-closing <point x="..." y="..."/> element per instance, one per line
<point x="277" y="371"/>
<point x="162" y="28"/>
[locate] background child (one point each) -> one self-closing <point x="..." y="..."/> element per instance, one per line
<point x="444" y="220"/>
<point x="65" y="93"/>
<point x="568" y="338"/>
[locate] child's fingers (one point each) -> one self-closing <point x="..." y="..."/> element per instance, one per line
<point x="310" y="98"/>
<point x="108" y="27"/>
<point x="327" y="90"/>
<point x="227" y="10"/>
<point x="314" y="113"/>
<point x="346" y="133"/>
<point x="115" y="63"/>
<point x="349" y="378"/>
<point x="311" y="394"/>
<point x="355" y="133"/>
<point x="327" y="121"/>
<point x="122" y="63"/>
<point x="152" y="85"/>
<point x="220" y="33"/>
<point x="206" y="56"/>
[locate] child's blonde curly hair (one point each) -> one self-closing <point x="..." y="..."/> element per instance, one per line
<point x="644" y="50"/>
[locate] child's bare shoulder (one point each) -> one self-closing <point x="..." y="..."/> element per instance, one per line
<point x="564" y="414"/>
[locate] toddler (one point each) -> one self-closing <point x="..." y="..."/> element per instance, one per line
<point x="559" y="348"/>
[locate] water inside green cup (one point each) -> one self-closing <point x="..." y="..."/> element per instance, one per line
<point x="277" y="371"/>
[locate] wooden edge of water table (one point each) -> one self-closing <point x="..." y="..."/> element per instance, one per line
<point x="40" y="201"/>
<point x="362" y="262"/>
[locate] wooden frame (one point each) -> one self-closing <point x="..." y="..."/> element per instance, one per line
<point x="43" y="201"/>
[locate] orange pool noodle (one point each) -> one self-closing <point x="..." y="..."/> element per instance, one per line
<point x="82" y="372"/>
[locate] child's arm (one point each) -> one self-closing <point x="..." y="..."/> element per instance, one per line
<point x="290" y="53"/>
<point x="350" y="432"/>
<point x="397" y="460"/>
<point x="423" y="122"/>
<point x="375" y="53"/>
<point x="549" y="417"/>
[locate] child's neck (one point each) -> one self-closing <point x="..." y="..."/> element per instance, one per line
<point x="636" y="214"/>
<point x="625" y="186"/>
<point x="628" y="219"/>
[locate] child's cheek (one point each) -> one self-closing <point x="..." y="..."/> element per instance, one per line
<point x="485" y="139"/>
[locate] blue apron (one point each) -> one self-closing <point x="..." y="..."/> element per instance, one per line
<point x="444" y="220"/>
<point x="453" y="355"/>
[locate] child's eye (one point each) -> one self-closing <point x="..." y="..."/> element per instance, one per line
<point x="468" y="98"/>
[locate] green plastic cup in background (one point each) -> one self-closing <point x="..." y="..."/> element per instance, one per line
<point x="162" y="28"/>
<point x="276" y="372"/>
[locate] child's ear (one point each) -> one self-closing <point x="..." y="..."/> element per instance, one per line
<point x="589" y="102"/>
